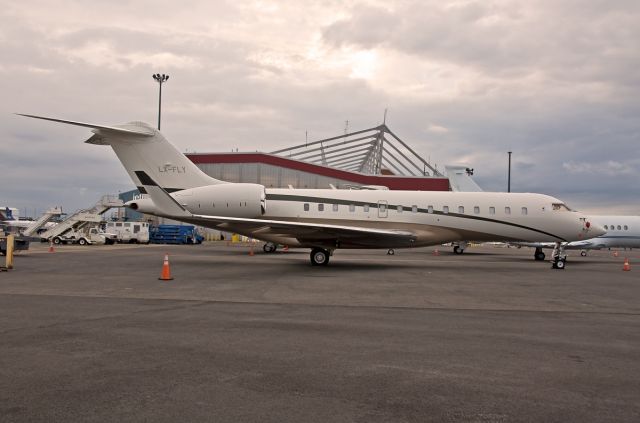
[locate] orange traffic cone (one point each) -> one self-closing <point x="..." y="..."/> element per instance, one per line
<point x="627" y="266"/>
<point x="166" y="272"/>
<point x="285" y="248"/>
<point x="51" y="250"/>
<point x="436" y="252"/>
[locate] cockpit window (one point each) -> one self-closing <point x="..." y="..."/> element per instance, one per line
<point x="560" y="207"/>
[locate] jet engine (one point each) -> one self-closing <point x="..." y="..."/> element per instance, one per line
<point x="232" y="200"/>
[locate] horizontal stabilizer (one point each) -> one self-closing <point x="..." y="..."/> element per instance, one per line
<point x="137" y="131"/>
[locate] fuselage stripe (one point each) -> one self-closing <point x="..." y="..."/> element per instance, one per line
<point x="308" y="199"/>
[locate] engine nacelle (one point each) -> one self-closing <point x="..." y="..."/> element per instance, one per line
<point x="142" y="205"/>
<point x="232" y="200"/>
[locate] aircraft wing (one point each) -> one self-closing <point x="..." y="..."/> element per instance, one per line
<point x="573" y="245"/>
<point x="306" y="233"/>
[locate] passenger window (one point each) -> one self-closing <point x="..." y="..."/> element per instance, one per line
<point x="612" y="227"/>
<point x="507" y="210"/>
<point x="461" y="209"/>
<point x="321" y="207"/>
<point x="492" y="210"/>
<point x="445" y="209"/>
<point x="619" y="228"/>
<point x="606" y="227"/>
<point x="306" y="206"/>
<point x="524" y="211"/>
<point x="414" y="209"/>
<point x="399" y="208"/>
<point x="476" y="210"/>
<point x="626" y="227"/>
<point x="430" y="209"/>
<point x="335" y="207"/>
<point x="365" y="208"/>
<point x="352" y="207"/>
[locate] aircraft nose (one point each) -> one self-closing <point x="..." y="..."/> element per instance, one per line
<point x="595" y="229"/>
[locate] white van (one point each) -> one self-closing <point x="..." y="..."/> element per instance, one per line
<point x="131" y="232"/>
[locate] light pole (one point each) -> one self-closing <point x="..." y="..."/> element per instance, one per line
<point x="509" y="174"/>
<point x="160" y="79"/>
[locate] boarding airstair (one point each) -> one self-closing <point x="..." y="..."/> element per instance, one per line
<point x="46" y="216"/>
<point x="83" y="218"/>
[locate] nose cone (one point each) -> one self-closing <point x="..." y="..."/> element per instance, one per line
<point x="596" y="230"/>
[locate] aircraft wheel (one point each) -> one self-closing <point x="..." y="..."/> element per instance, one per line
<point x="539" y="255"/>
<point x="558" y="264"/>
<point x="583" y="253"/>
<point x="458" y="250"/>
<point x="319" y="257"/>
<point x="391" y="252"/>
<point x="269" y="247"/>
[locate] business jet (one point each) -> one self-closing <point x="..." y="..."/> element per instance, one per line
<point x="621" y="232"/>
<point x="325" y="220"/>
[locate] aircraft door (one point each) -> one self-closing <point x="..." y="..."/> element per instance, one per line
<point x="383" y="208"/>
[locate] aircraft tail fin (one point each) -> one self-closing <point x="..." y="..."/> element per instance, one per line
<point x="8" y="214"/>
<point x="141" y="147"/>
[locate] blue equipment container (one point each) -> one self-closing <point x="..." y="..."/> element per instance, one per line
<point x="175" y="234"/>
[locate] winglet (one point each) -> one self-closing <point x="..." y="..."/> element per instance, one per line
<point x="165" y="203"/>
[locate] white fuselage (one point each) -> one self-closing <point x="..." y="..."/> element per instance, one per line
<point x="622" y="232"/>
<point x="434" y="217"/>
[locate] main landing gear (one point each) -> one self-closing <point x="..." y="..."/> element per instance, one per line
<point x="269" y="247"/>
<point x="320" y="257"/>
<point x="559" y="257"/>
<point x="460" y="247"/>
<point x="539" y="254"/>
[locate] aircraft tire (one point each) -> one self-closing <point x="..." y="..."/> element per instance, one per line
<point x="391" y="252"/>
<point x="319" y="257"/>
<point x="269" y="247"/>
<point x="583" y="253"/>
<point x="539" y="256"/>
<point x="558" y="264"/>
<point x="458" y="250"/>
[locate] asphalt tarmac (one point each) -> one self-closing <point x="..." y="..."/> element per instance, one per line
<point x="90" y="334"/>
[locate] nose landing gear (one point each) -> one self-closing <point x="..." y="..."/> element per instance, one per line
<point x="559" y="257"/>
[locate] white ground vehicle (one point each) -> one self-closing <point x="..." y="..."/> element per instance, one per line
<point x="85" y="237"/>
<point x="131" y="232"/>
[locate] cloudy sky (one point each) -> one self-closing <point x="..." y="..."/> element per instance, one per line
<point x="556" y="82"/>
